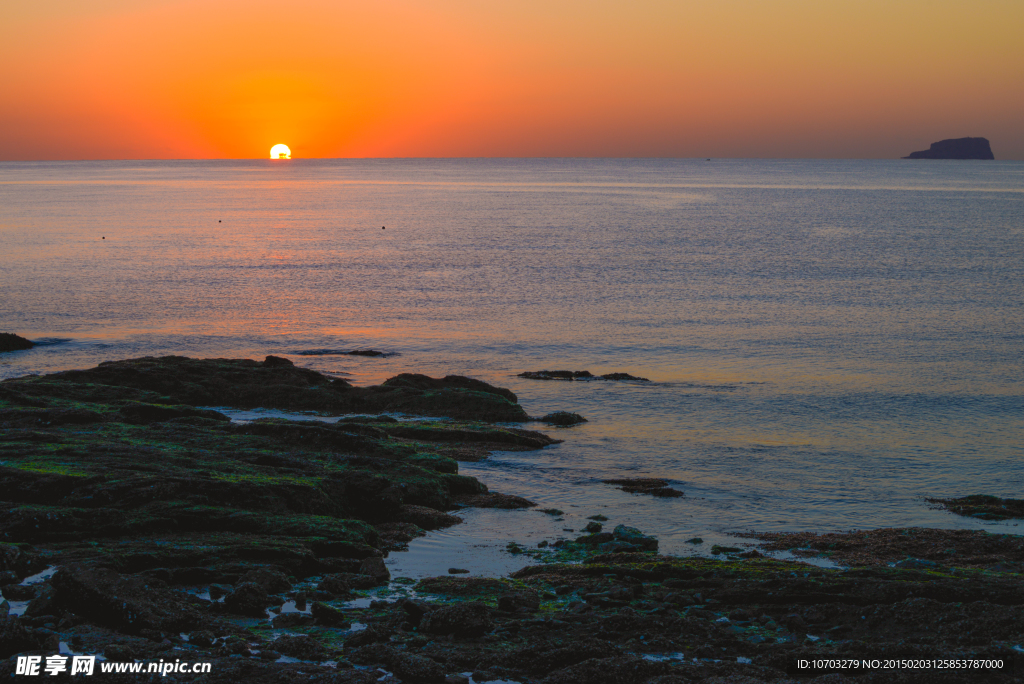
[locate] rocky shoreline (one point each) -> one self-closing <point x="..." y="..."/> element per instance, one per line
<point x="136" y="523"/>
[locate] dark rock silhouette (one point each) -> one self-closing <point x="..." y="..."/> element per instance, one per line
<point x="956" y="148"/>
<point x="12" y="342"/>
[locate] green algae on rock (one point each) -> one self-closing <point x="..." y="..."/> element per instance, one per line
<point x="277" y="383"/>
<point x="118" y="465"/>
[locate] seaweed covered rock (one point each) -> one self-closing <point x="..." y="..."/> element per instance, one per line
<point x="248" y="598"/>
<point x="124" y="603"/>
<point x="424" y="382"/>
<point x="15" y="637"/>
<point x="563" y="418"/>
<point x="277" y="383"/>
<point x="578" y="375"/>
<point x="408" y="667"/>
<point x="983" y="506"/>
<point x="301" y="646"/>
<point x="654" y="486"/>
<point x="633" y="536"/>
<point x="460" y="620"/>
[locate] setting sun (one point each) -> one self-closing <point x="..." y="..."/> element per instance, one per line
<point x="280" y="151"/>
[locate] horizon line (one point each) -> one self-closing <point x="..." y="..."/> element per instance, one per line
<point x="293" y="159"/>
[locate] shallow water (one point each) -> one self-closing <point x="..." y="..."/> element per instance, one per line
<point x="830" y="342"/>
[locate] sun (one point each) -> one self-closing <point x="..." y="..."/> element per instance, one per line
<point x="280" y="151"/>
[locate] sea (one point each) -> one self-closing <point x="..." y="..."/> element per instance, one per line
<point x="828" y="343"/>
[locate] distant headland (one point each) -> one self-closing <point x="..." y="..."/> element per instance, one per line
<point x="956" y="148"/>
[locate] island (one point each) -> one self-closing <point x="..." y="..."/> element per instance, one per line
<point x="956" y="148"/>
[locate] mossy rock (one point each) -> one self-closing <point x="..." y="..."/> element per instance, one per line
<point x="439" y="464"/>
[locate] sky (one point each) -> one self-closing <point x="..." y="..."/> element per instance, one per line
<point x="183" y="79"/>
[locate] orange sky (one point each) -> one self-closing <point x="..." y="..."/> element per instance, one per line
<point x="116" y="79"/>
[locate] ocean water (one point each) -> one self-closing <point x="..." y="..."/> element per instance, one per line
<point x="829" y="342"/>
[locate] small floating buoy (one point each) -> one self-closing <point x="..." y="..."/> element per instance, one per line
<point x="103" y="238"/>
<point x="218" y="220"/>
<point x="382" y="227"/>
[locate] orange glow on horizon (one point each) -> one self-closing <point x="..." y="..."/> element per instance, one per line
<point x="792" y="78"/>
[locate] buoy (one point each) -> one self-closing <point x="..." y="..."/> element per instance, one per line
<point x="382" y="227"/>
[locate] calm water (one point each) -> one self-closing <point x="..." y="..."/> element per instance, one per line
<point x="831" y="341"/>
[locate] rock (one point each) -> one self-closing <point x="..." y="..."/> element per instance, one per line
<point x="408" y="667"/>
<point x="14" y="638"/>
<point x="557" y="375"/>
<point x="373" y="353"/>
<point x="918" y="564"/>
<point x="424" y="382"/>
<point x="218" y="591"/>
<point x="520" y="600"/>
<point x="415" y="610"/>
<point x="272" y="581"/>
<point x="249" y="599"/>
<point x="460" y="620"/>
<point x="336" y="585"/>
<point x="19" y="592"/>
<point x="203" y="638"/>
<point x="122" y="653"/>
<point x="9" y="555"/>
<point x="427" y="518"/>
<point x="983" y="506"/>
<point x="595" y="539"/>
<point x="303" y="647"/>
<point x="494" y="500"/>
<point x="620" y="670"/>
<point x="414" y="668"/>
<point x="956" y="148"/>
<point x="277" y="383"/>
<point x="124" y="603"/>
<point x="716" y="549"/>
<point x="646" y="485"/>
<point x="458" y="571"/>
<point x="617" y="547"/>
<point x="563" y="418"/>
<point x="633" y="536"/>
<point x="375" y="568"/>
<point x="578" y="375"/>
<point x="593" y="528"/>
<point x="138" y="413"/>
<point x="286" y="620"/>
<point x="371" y="635"/>
<point x="623" y="376"/>
<point x="11" y="342"/>
<point x="328" y="615"/>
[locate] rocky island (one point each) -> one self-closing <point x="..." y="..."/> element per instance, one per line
<point x="137" y="524"/>
<point x="956" y="148"/>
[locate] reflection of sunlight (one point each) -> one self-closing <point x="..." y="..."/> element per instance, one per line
<point x="280" y="151"/>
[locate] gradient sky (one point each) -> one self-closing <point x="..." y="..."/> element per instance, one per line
<point x="148" y="79"/>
